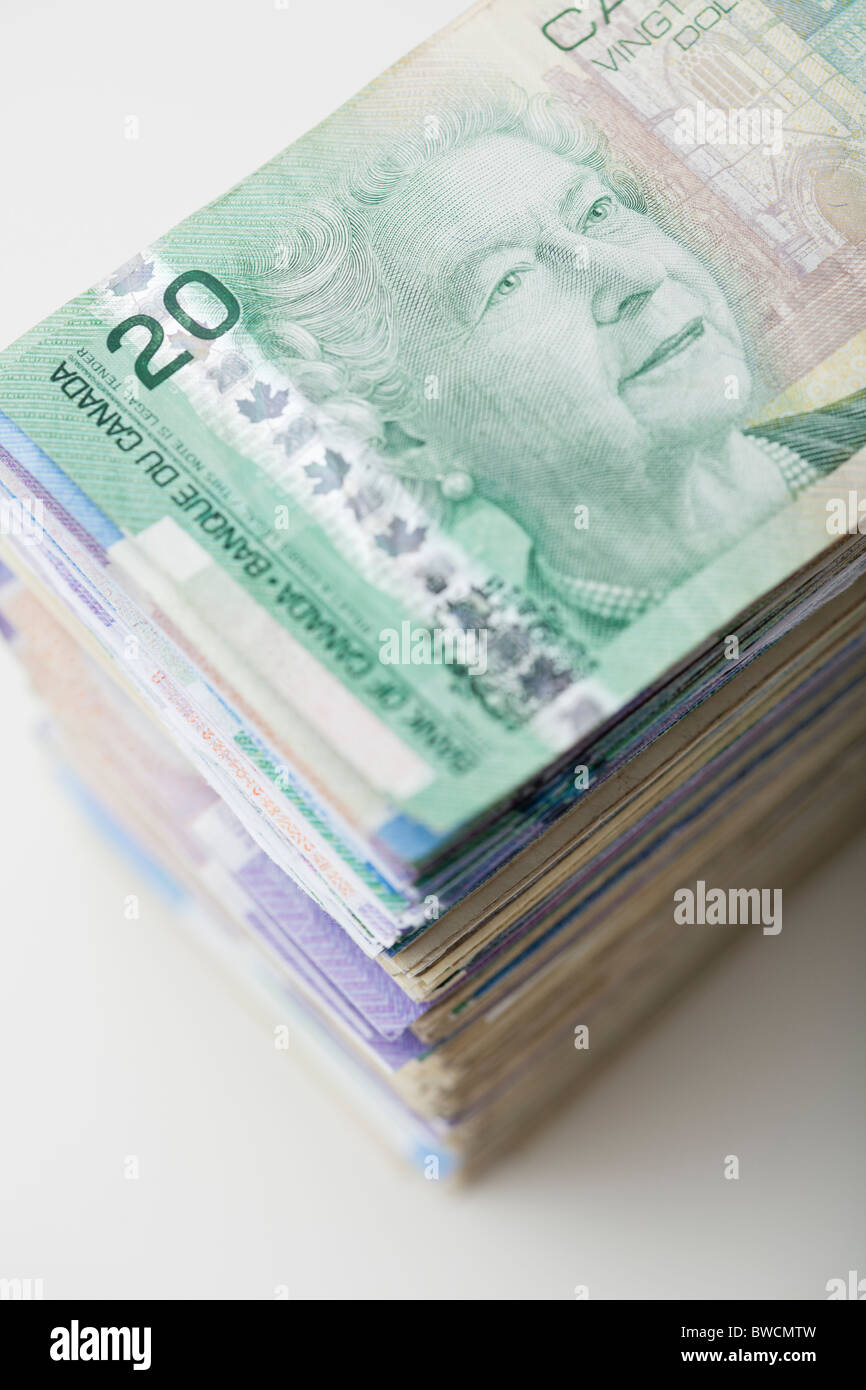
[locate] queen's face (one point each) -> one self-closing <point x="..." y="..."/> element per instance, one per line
<point x="550" y="330"/>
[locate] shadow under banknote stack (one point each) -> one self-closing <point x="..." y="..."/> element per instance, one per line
<point x="445" y="565"/>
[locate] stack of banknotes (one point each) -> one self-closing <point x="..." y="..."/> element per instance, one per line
<point x="443" y="556"/>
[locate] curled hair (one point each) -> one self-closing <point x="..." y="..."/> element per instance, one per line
<point x="318" y="303"/>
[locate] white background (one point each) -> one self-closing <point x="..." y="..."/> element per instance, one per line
<point x="117" y="1040"/>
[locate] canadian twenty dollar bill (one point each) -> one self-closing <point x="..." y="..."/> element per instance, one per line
<point x="464" y="417"/>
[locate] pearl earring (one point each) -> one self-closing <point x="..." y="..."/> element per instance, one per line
<point x="457" y="486"/>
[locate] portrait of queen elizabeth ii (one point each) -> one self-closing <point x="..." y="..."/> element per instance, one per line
<point x="486" y="298"/>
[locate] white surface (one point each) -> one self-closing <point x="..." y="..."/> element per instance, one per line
<point x="116" y="1040"/>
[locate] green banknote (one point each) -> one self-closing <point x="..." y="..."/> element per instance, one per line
<point x="452" y="427"/>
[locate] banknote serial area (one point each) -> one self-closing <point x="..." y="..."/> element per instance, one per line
<point x="442" y="557"/>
